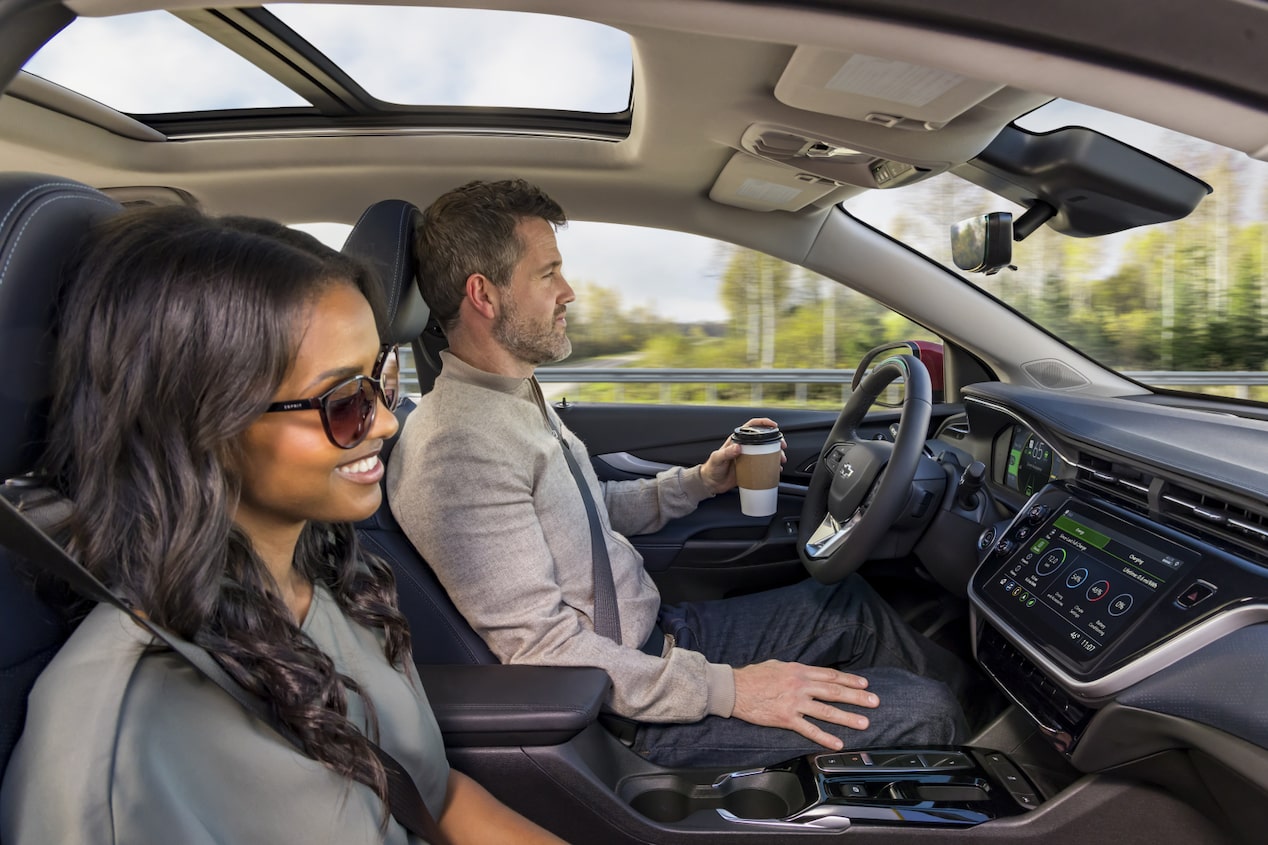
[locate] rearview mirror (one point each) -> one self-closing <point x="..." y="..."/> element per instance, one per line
<point x="983" y="244"/>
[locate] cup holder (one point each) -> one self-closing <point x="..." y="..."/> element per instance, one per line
<point x="671" y="798"/>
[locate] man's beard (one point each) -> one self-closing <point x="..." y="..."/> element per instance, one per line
<point x="533" y="344"/>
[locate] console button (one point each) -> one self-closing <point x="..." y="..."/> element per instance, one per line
<point x="1037" y="514"/>
<point x="1026" y="799"/>
<point x="853" y="790"/>
<point x="947" y="760"/>
<point x="1196" y="592"/>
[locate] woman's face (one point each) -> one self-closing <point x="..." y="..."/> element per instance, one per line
<point x="291" y="472"/>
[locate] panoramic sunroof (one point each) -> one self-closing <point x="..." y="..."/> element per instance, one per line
<point x="153" y="63"/>
<point x="471" y="57"/>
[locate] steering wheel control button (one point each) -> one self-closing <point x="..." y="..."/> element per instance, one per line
<point x="1097" y="591"/>
<point x="1121" y="604"/>
<point x="1076" y="578"/>
<point x="1051" y="562"/>
<point x="1196" y="593"/>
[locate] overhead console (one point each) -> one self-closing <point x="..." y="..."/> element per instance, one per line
<point x="1078" y="599"/>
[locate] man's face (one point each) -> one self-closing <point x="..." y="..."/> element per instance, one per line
<point x="531" y="324"/>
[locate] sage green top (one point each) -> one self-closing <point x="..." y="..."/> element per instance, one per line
<point x="127" y="746"/>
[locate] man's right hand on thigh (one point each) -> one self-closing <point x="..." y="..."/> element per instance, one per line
<point x="784" y="695"/>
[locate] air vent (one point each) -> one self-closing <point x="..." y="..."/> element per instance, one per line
<point x="1125" y="485"/>
<point x="1225" y="523"/>
<point x="1214" y="519"/>
<point x="955" y="428"/>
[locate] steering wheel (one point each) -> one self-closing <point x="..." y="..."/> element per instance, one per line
<point x="859" y="486"/>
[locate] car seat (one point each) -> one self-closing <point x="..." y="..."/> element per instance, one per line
<point x="384" y="239"/>
<point x="41" y="219"/>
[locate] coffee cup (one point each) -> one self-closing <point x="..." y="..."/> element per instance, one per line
<point x="757" y="468"/>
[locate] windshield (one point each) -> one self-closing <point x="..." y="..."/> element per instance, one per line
<point x="1181" y="305"/>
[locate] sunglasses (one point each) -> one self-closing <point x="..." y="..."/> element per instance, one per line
<point x="347" y="409"/>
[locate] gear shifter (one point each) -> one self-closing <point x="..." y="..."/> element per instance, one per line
<point x="971" y="481"/>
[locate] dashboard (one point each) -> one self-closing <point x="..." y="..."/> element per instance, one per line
<point x="1131" y="555"/>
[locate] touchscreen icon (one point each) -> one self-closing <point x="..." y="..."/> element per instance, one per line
<point x="1076" y="578"/>
<point x="1097" y="591"/>
<point x="1121" y="604"/>
<point x="1050" y="562"/>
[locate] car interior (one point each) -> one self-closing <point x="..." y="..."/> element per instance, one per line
<point x="1096" y="547"/>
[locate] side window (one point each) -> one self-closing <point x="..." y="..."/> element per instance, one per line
<point x="665" y="317"/>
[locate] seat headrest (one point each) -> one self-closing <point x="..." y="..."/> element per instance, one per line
<point x="42" y="219"/>
<point x="383" y="239"/>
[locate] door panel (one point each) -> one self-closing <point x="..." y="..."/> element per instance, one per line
<point x="715" y="551"/>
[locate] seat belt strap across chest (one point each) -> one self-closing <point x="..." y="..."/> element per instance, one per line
<point x="607" y="617"/>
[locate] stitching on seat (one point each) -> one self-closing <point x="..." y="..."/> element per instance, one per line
<point x="396" y="266"/>
<point x="83" y="189"/>
<point x="36" y="210"/>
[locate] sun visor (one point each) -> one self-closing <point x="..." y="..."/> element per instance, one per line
<point x="884" y="92"/>
<point x="748" y="182"/>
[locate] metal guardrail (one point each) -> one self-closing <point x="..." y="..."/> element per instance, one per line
<point x="1241" y="380"/>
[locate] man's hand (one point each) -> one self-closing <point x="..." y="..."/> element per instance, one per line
<point x="718" y="472"/>
<point x="782" y="695"/>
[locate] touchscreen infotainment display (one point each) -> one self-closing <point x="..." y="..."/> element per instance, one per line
<point x="1081" y="579"/>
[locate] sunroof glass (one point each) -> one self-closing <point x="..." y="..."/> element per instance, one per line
<point x="153" y="63"/>
<point x="471" y="57"/>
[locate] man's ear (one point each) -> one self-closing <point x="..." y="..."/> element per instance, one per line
<point x="482" y="295"/>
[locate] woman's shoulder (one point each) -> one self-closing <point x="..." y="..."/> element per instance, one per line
<point x="124" y="740"/>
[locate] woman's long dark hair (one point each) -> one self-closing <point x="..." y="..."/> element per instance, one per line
<point x="176" y="331"/>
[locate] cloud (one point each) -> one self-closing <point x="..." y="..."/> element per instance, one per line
<point x="152" y="62"/>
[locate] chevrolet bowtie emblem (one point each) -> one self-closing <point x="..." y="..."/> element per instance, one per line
<point x="847" y="470"/>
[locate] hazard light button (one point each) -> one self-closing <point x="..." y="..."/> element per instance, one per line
<point x="1197" y="592"/>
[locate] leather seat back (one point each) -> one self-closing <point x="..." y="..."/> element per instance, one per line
<point x="384" y="239"/>
<point x="41" y="220"/>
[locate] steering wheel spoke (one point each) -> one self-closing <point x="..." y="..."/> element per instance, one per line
<point x="830" y="534"/>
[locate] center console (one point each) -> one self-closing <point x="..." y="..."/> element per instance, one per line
<point x="943" y="787"/>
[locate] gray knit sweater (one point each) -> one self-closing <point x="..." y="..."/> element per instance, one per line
<point x="480" y="486"/>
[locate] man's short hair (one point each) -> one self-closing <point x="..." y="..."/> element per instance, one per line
<point x="471" y="229"/>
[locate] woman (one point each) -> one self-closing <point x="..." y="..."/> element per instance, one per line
<point x="217" y="426"/>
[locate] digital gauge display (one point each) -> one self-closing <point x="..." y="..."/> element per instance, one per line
<point x="1031" y="462"/>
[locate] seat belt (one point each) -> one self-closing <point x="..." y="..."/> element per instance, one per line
<point x="607" y="617"/>
<point x="20" y="535"/>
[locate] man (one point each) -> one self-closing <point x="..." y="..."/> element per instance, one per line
<point x="737" y="682"/>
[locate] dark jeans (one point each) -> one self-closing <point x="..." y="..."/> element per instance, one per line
<point x="846" y="626"/>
